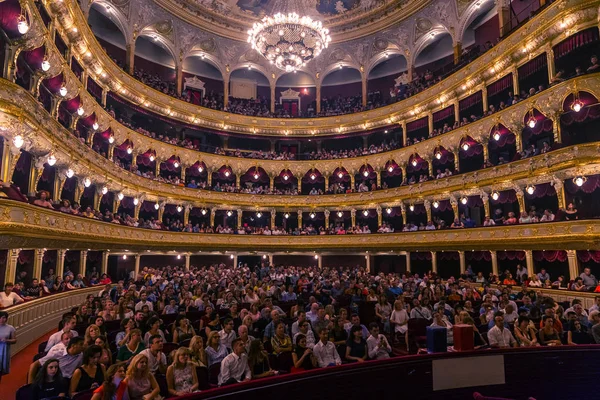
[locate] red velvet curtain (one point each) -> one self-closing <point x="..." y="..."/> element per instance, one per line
<point x="470" y="101"/>
<point x="478" y="256"/>
<point x="590" y="185"/>
<point x="550" y="255"/>
<point x="511" y="255"/>
<point x="533" y="66"/>
<point x="542" y="190"/>
<point x="443" y="114"/>
<point x="587" y="255"/>
<point x="500" y="85"/>
<point x="579" y="39"/>
<point x="418" y="124"/>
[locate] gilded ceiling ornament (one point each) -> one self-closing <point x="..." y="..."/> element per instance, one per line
<point x="380" y="44"/>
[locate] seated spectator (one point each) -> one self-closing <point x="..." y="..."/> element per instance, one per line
<point x="42" y="200"/>
<point x="549" y="336"/>
<point x="281" y="341"/>
<point x="594" y="64"/>
<point x="49" y="382"/>
<point x="525" y="332"/>
<point x="440" y="319"/>
<point x="181" y="375"/>
<point x="258" y="360"/>
<point x="69" y="358"/>
<point x="499" y="336"/>
<point x="234" y="367"/>
<point x="141" y="384"/>
<point x="325" y="351"/>
<point x="113" y="386"/>
<point x="356" y="346"/>
<point x="399" y="318"/>
<point x="548" y="216"/>
<point x="302" y="355"/>
<point x="215" y="351"/>
<point x="377" y="345"/>
<point x="69" y="323"/>
<point x="8" y="297"/>
<point x="133" y="347"/>
<point x="91" y="373"/>
<point x="197" y="352"/>
<point x="511" y="220"/>
<point x="154" y="325"/>
<point x="227" y="334"/>
<point x="183" y="330"/>
<point x="157" y="361"/>
<point x="305" y="329"/>
<point x="106" y="357"/>
<point x="578" y="334"/>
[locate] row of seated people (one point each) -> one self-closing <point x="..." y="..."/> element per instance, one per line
<point x="160" y="294"/>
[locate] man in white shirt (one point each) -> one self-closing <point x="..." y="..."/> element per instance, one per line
<point x="377" y="345"/>
<point x="69" y="358"/>
<point x="325" y="351"/>
<point x="227" y="334"/>
<point x="8" y="297"/>
<point x="68" y="325"/>
<point x="547" y="217"/>
<point x="157" y="361"/>
<point x="144" y="302"/>
<point x="418" y="311"/>
<point x="245" y="338"/>
<point x="234" y="367"/>
<point x="304" y="329"/>
<point x="499" y="336"/>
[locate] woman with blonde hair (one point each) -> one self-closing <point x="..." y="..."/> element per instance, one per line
<point x="181" y="375"/>
<point x="141" y="384"/>
<point x="197" y="353"/>
<point x="215" y="351"/>
<point x="91" y="334"/>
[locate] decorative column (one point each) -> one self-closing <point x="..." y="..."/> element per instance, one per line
<point x="486" y="152"/>
<point x="518" y="139"/>
<point x="111" y="152"/>
<point x="270" y="259"/>
<point x="364" y="86"/>
<point x="327" y="219"/>
<point x="82" y="262"/>
<point x="104" y="95"/>
<point x="273" y="95"/>
<point x="529" y="262"/>
<point x="136" y="268"/>
<point x="59" y="183"/>
<point x="368" y="262"/>
<point x="157" y="163"/>
<point x="403" y="211"/>
<point x="456" y="104"/>
<point x="10" y="62"/>
<point x="238" y="178"/>
<point x="186" y="214"/>
<point x="454" y="204"/>
<point x="179" y="77"/>
<point x="225" y="90"/>
<point x="430" y="121"/>
<point x="550" y="62"/>
<point x="484" y="97"/>
<point x="183" y="168"/>
<point x="352" y="180"/>
<point x="521" y="200"/>
<point x="556" y="127"/>
<point x="404" y="137"/>
<point x="434" y="266"/>
<point x="299" y="219"/>
<point x="161" y="212"/>
<point x="486" y="204"/>
<point x="318" y="96"/>
<point x="503" y="10"/>
<point x="463" y="263"/>
<point x="427" y="205"/>
<point x="11" y="265"/>
<point x="273" y="216"/>
<point x="320" y="262"/>
<point x="378" y="177"/>
<point x="271" y="182"/>
<point x="209" y="175"/>
<point x="515" y="79"/>
<point x="239" y="212"/>
<point x="104" y="267"/>
<point x="34" y="175"/>
<point x="130" y="56"/>
<point x="559" y="187"/>
<point x="408" y="261"/>
<point x="10" y="157"/>
<point x="299" y="180"/>
<point x="37" y="264"/>
<point x="235" y="261"/>
<point x="353" y="216"/>
<point x="60" y="262"/>
<point x="379" y="216"/>
<point x="457" y="52"/>
<point x="573" y="264"/>
<point x="494" y="256"/>
<point x="187" y="262"/>
<point x="136" y="209"/>
<point x="213" y="212"/>
<point x="326" y="177"/>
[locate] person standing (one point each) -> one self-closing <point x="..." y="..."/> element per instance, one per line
<point x="8" y="337"/>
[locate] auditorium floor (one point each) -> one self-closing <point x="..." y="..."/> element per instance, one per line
<point x="19" y="367"/>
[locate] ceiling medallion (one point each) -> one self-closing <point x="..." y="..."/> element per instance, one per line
<point x="289" y="41"/>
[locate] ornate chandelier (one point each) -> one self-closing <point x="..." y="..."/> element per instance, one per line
<point x="289" y="41"/>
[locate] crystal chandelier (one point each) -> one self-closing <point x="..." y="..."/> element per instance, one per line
<point x="289" y="41"/>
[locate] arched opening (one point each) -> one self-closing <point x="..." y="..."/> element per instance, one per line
<point x="555" y="263"/>
<point x="478" y="262"/>
<point x="539" y="198"/>
<point x="448" y="264"/>
<point x="572" y="55"/>
<point x="85" y="126"/>
<point x="101" y="142"/>
<point x="255" y="180"/>
<point x="502" y="146"/>
<point x="202" y="82"/>
<point x="313" y="182"/>
<point x="249" y="93"/>
<point x="122" y="154"/>
<point x="295" y="95"/>
<point x="471" y="155"/>
<point x="580" y="122"/>
<point x="29" y="62"/>
<point x="341" y="92"/>
<point x="173" y="217"/>
<point x="366" y="179"/>
<point x="154" y="63"/>
<point x="47" y="179"/>
<point x="538" y="133"/>
<point x="443" y="163"/>
<point x="223" y="179"/>
<point x="170" y="170"/>
<point x="286" y="182"/>
<point x="391" y="176"/>
<point x="106" y="26"/>
<point x="471" y="211"/>
<point x="442" y="214"/>
<point x="433" y="59"/>
<point x="313" y="222"/>
<point x="200" y="220"/>
<point x="381" y="90"/>
<point x="584" y="198"/>
<point x="255" y="221"/>
<point x="146" y="163"/>
<point x="339" y="181"/>
<point x="420" y="263"/>
<point x="22" y="171"/>
<point x="196" y="176"/>
<point x="366" y="220"/>
<point x="148" y="213"/>
<point x="391" y="220"/>
<point x="502" y="203"/>
<point x="482" y="30"/>
<point x="416" y="214"/>
<point x="417" y="169"/>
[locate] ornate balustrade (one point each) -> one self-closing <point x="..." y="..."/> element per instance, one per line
<point x="36" y="317"/>
<point x="539" y="34"/>
<point x="22" y="114"/>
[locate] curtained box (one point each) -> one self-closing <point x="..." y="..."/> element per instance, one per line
<point x="463" y="337"/>
<point x="437" y="339"/>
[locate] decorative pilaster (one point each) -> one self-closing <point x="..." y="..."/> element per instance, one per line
<point x="427" y="205"/>
<point x="494" y="256"/>
<point x="273" y="95"/>
<point x="11" y="265"/>
<point x="299" y="217"/>
<point x="457" y="52"/>
<point x="225" y="90"/>
<point x="60" y="262"/>
<point x="130" y="56"/>
<point x="104" y="267"/>
<point x="454" y="204"/>
<point x="520" y="199"/>
<point x="529" y="262"/>
<point x="187" y="262"/>
<point x="353" y="216"/>
<point x="430" y="121"/>
<point x="179" y="77"/>
<point x="213" y="212"/>
<point x="37" y="264"/>
<point x="408" y="261"/>
<point x="136" y="268"/>
<point x="404" y="138"/>
<point x="484" y="97"/>
<point x="318" y="96"/>
<point x="273" y="215"/>
<point x="515" y="79"/>
<point x="83" y="262"/>
<point x="486" y="204"/>
<point x="550" y="62"/>
<point x="327" y="219"/>
<point x="186" y="214"/>
<point x="368" y="263"/>
<point x="239" y="217"/>
<point x="463" y="263"/>
<point x="434" y="266"/>
<point x="403" y="211"/>
<point x="364" y="87"/>
<point x="559" y="187"/>
<point x="379" y="215"/>
<point x="573" y="264"/>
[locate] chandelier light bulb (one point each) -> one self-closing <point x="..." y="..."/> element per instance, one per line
<point x="95" y="126"/>
<point x="136" y="201"/>
<point x="227" y="173"/>
<point x="316" y="256"/>
<point x="258" y="214"/>
<point x="391" y="168"/>
<point x="229" y="213"/>
<point x="51" y="160"/>
<point x="80" y="111"/>
<point x="129" y="150"/>
<point x="340" y="214"/>
<point x="178" y="256"/>
<point x="111" y="139"/>
<point x="286" y="215"/>
<point x="388" y="210"/>
<point x="465" y="146"/>
<point x="411" y="207"/>
<point x="286" y="177"/>
<point x="203" y="212"/>
<point x="70" y="173"/>
<point x="156" y="206"/>
<point x="22" y="25"/>
<point x="436" y="204"/>
<point x="120" y="196"/>
<point x="340" y="175"/>
<point x="256" y="175"/>
<point x="18" y="141"/>
<point x="179" y="209"/>
<point x="104" y="190"/>
<point x="45" y="65"/>
<point x="264" y="257"/>
<point x="496" y="136"/>
<point x="438" y="155"/>
<point x="200" y="169"/>
<point x="63" y="90"/>
<point x="577" y="105"/>
<point x="531" y="122"/>
<point x="530" y="189"/>
<point x="87" y="182"/>
<point x="366" y="213"/>
<point x="312" y="215"/>
<point x="313" y="176"/>
<point x="580" y="180"/>
<point x="124" y="256"/>
<point x="464" y="200"/>
<point x="151" y="157"/>
<point x="176" y="164"/>
<point x="366" y="173"/>
<point x="414" y="162"/>
<point x="231" y="256"/>
<point x="495" y="195"/>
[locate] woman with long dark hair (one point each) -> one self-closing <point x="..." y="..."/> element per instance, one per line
<point x="49" y="382"/>
<point x="258" y="360"/>
<point x="114" y="387"/>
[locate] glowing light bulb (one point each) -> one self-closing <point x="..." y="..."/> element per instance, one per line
<point x="95" y="126"/>
<point x="22" y="25"/>
<point x="229" y="213"/>
<point x="124" y="256"/>
<point x="151" y="157"/>
<point x="70" y="173"/>
<point x="129" y="150"/>
<point x="51" y="160"/>
<point x="577" y="106"/>
<point x="18" y="141"/>
<point x="87" y="182"/>
<point x="176" y="164"/>
<point x="231" y="256"/>
<point x="111" y="139"/>
<point x="227" y="173"/>
<point x="436" y="204"/>
<point x="495" y="195"/>
<point x="391" y="168"/>
<point x="258" y="214"/>
<point x="340" y="175"/>
<point x="313" y="176"/>
<point x="496" y="136"/>
<point x="580" y="180"/>
<point x="200" y="169"/>
<point x="366" y="213"/>
<point x="465" y="146"/>
<point x="120" y="196"/>
<point x="104" y="190"/>
<point x="156" y="206"/>
<point x="63" y="91"/>
<point x="312" y="215"/>
<point x="316" y="256"/>
<point x="464" y="200"/>
<point x="286" y="215"/>
<point x="530" y="189"/>
<point x="388" y="210"/>
<point x="203" y="212"/>
<point x="531" y="122"/>
<point x="366" y="173"/>
<point x="411" y="207"/>
<point x="414" y="162"/>
<point x="256" y="175"/>
<point x="80" y="111"/>
<point x="285" y="177"/>
<point x="136" y="201"/>
<point x="340" y="214"/>
<point x="45" y="65"/>
<point x="179" y="209"/>
<point x="178" y="257"/>
<point x="438" y="155"/>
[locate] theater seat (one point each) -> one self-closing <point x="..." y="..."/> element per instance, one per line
<point x="162" y="383"/>
<point x="24" y="393"/>
<point x="42" y="347"/>
<point x="213" y="373"/>
<point x="85" y="395"/>
<point x="417" y="333"/>
<point x="285" y="361"/>
<point x="203" y="381"/>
